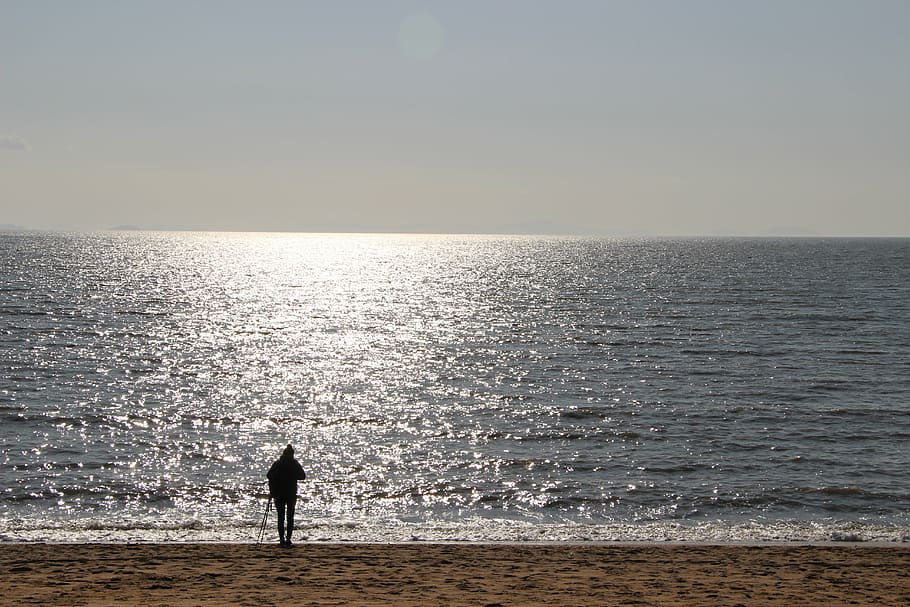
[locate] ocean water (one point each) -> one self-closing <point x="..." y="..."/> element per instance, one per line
<point x="454" y="387"/>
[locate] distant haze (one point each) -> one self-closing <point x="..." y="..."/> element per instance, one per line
<point x="601" y="117"/>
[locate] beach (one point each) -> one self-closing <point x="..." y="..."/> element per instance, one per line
<point x="454" y="574"/>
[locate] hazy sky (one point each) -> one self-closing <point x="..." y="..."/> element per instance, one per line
<point x="680" y="117"/>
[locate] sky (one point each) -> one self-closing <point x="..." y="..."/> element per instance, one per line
<point x="614" y="118"/>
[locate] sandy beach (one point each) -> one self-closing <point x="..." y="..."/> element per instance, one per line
<point x="453" y="574"/>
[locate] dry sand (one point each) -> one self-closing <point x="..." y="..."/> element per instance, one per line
<point x="453" y="574"/>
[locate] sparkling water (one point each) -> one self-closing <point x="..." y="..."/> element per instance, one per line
<point x="454" y="387"/>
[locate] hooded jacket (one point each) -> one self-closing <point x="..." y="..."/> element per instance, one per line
<point x="283" y="476"/>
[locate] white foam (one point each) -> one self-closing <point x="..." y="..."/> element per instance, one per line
<point x="475" y="530"/>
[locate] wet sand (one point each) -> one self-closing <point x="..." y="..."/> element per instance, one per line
<point x="454" y="574"/>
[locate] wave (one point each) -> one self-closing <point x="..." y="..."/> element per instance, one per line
<point x="472" y="530"/>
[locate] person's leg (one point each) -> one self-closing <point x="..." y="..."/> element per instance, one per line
<point x="292" y="503"/>
<point x="279" y="507"/>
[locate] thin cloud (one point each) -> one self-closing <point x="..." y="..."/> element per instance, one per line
<point x="14" y="143"/>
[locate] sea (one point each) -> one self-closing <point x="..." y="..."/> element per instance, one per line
<point x="454" y="387"/>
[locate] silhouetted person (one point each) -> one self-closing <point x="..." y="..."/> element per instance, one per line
<point x="283" y="477"/>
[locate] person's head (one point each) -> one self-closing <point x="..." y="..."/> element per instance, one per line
<point x="288" y="452"/>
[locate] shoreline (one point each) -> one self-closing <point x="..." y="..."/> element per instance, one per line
<point x="455" y="573"/>
<point x="457" y="542"/>
<point x="468" y="531"/>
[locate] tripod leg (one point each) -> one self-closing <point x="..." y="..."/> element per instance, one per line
<point x="265" y="518"/>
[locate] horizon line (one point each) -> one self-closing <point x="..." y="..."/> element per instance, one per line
<point x="783" y="234"/>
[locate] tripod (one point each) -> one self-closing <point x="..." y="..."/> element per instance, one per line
<point x="265" y="518"/>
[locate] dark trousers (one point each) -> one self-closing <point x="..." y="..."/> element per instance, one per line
<point x="285" y="505"/>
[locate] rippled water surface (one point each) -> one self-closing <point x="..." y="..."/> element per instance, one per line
<point x="454" y="387"/>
